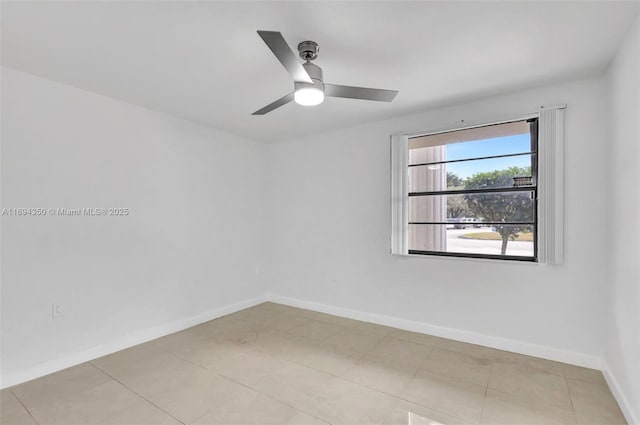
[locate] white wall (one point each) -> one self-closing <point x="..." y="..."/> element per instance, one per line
<point x="188" y="247"/>
<point x="622" y="348"/>
<point x="331" y="226"/>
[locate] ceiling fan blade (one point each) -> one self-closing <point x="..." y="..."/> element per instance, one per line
<point x="285" y="55"/>
<point x="336" y="90"/>
<point x="274" y="105"/>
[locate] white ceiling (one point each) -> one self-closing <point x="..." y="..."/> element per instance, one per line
<point x="203" y="61"/>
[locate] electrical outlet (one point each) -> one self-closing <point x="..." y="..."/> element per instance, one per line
<point x="56" y="311"/>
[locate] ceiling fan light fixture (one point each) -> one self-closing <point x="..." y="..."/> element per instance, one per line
<point x="310" y="88"/>
<point x="308" y="96"/>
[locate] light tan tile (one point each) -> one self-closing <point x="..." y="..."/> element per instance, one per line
<point x="283" y="323"/>
<point x="210" y="351"/>
<point x="351" y="341"/>
<point x="140" y="413"/>
<point x="273" y="320"/>
<point x="380" y="374"/>
<point x="488" y="353"/>
<point x="399" y="350"/>
<point x="192" y="396"/>
<point x="282" y="308"/>
<point x="90" y="406"/>
<point x="60" y="385"/>
<point x="505" y="357"/>
<point x="315" y="330"/>
<point x="318" y="357"/>
<point x="356" y="325"/>
<point x="250" y="407"/>
<point x="528" y="382"/>
<point x="460" y="347"/>
<point x="150" y="374"/>
<point x="197" y="334"/>
<point x="446" y="394"/>
<point x="505" y="409"/>
<point x="12" y="412"/>
<point x="293" y="382"/>
<point x="326" y="397"/>
<point x="177" y="386"/>
<point x="594" y="404"/>
<point x="419" y="338"/>
<point x="583" y="374"/>
<point x="286" y="347"/>
<point x="464" y="366"/>
<point x="405" y="413"/>
<point x="246" y="367"/>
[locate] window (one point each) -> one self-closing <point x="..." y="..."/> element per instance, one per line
<point x="473" y="192"/>
<point x="489" y="191"/>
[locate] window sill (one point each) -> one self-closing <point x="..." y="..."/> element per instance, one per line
<point x="467" y="259"/>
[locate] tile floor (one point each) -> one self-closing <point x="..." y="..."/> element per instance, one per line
<point x="273" y="364"/>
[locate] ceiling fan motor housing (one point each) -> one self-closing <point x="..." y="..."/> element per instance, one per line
<point x="308" y="50"/>
<point x="315" y="72"/>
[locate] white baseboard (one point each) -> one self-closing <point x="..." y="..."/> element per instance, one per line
<point x="17" y="377"/>
<point x="550" y="353"/>
<point x="623" y="401"/>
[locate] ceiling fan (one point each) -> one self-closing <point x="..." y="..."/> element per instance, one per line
<point x="309" y="87"/>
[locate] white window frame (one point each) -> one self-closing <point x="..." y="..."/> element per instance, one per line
<point x="550" y="232"/>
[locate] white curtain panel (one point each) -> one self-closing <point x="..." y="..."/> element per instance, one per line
<point x="551" y="185"/>
<point x="399" y="199"/>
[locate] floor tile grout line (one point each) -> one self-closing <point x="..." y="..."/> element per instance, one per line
<point x="295" y="363"/>
<point x="575" y="412"/>
<point x="419" y="404"/>
<point x="486" y="390"/>
<point x="23" y="405"/>
<point x="395" y="396"/>
<point x="435" y="408"/>
<point x="519" y="403"/>
<point x="135" y="392"/>
<point x="566" y="382"/>
<point x="245" y="385"/>
<point x="278" y="400"/>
